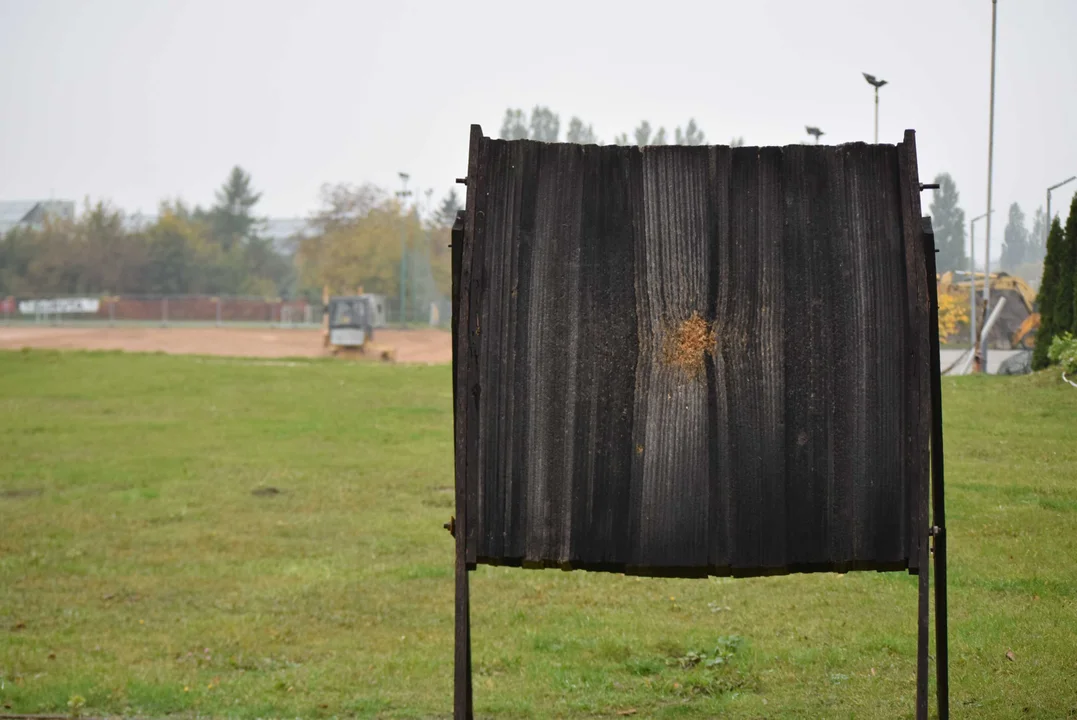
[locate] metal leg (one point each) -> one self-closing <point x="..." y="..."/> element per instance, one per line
<point x="462" y="703"/>
<point x="938" y="503"/>
<point x="462" y="697"/>
<point x="922" y="633"/>
<point x="924" y="569"/>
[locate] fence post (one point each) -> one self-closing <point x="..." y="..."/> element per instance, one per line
<point x="164" y="312"/>
<point x="218" y="311"/>
<point x="111" y="312"/>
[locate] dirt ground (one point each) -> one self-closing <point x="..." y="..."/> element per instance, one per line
<point x="412" y="346"/>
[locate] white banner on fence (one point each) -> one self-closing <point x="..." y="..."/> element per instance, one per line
<point x="56" y="306"/>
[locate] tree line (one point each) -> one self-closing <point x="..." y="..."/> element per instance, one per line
<point x="1045" y="253"/>
<point x="544" y="125"/>
<point x="363" y="235"/>
<point x="358" y="236"/>
<point x="185" y="250"/>
<point x="1057" y="299"/>
<point x="1023" y="250"/>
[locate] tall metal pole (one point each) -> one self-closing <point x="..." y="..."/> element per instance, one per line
<point x="990" y="168"/>
<point x="875" y="83"/>
<point x="403" y="195"/>
<point x="972" y="283"/>
<point x="972" y="286"/>
<point x="876" y="114"/>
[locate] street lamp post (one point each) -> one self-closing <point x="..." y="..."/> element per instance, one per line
<point x="875" y="83"/>
<point x="814" y="132"/>
<point x="972" y="282"/>
<point x="1047" y="225"/>
<point x="990" y="168"/>
<point x="403" y="196"/>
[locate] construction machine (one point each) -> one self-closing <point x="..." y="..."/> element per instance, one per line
<point x="1017" y="327"/>
<point x="348" y="323"/>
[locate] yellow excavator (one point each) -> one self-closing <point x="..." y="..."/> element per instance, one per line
<point x="1022" y="320"/>
<point x="348" y="323"/>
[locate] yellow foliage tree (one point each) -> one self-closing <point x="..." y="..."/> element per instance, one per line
<point x="953" y="312"/>
<point x="360" y="234"/>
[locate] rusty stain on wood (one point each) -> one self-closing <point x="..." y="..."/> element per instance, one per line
<point x="688" y="343"/>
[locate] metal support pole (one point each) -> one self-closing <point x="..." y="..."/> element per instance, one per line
<point x="972" y="287"/>
<point x="973" y="339"/>
<point x="1047" y="225"/>
<point x="164" y="312"/>
<point x="923" y="609"/>
<point x="989" y="323"/>
<point x="112" y="312"/>
<point x="403" y="195"/>
<point x="463" y="706"/>
<point x="218" y="311"/>
<point x="938" y="503"/>
<point x="876" y="115"/>
<point x="990" y="168"/>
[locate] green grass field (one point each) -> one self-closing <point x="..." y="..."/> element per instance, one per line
<point x="141" y="575"/>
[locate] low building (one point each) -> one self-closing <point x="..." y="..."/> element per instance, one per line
<point x="33" y="213"/>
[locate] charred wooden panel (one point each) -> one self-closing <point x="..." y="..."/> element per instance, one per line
<point x="692" y="360"/>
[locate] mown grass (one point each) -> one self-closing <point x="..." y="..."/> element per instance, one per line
<point x="139" y="575"/>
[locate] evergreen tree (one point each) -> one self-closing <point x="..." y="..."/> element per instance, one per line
<point x="642" y="134"/>
<point x="1015" y="240"/>
<point x="1066" y="301"/>
<point x="691" y="135"/>
<point x="1037" y="238"/>
<point x="446" y="212"/>
<point x="948" y="220"/>
<point x="514" y="126"/>
<point x="580" y="133"/>
<point x="545" y="125"/>
<point x="231" y="219"/>
<point x="1046" y="299"/>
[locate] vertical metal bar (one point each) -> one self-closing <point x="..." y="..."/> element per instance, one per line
<point x="1047" y="229"/>
<point x="876" y="114"/>
<point x="924" y="569"/>
<point x="111" y="311"/>
<point x="218" y="299"/>
<point x="462" y="689"/>
<point x="972" y="287"/>
<point x="938" y="503"/>
<point x="990" y="169"/>
<point x="164" y="311"/>
<point x="923" y="611"/>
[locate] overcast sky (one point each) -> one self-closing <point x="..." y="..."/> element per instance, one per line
<point x="137" y="100"/>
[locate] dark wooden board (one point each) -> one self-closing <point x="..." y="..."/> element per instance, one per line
<point x="692" y="360"/>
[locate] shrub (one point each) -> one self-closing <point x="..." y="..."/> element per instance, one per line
<point x="1063" y="351"/>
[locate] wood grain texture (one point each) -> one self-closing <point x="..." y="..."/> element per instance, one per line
<point x="692" y="360"/>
